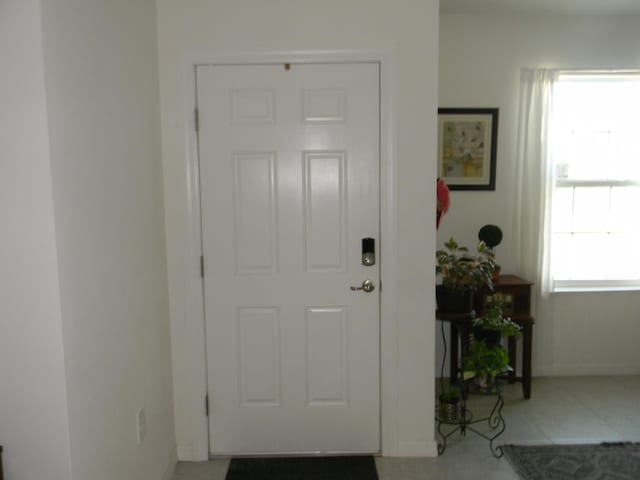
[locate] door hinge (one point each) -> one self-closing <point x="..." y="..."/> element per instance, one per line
<point x="196" y="118"/>
<point x="202" y="266"/>
<point x="206" y="404"/>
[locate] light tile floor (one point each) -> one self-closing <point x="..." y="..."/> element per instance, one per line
<point x="561" y="410"/>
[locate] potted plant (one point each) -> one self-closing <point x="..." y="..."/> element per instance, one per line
<point x="493" y="325"/>
<point x="462" y="273"/>
<point x="485" y="363"/>
<point x="449" y="405"/>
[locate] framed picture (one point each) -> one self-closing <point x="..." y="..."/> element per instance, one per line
<point x="467" y="143"/>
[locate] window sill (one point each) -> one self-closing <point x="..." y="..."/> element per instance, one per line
<point x="595" y="288"/>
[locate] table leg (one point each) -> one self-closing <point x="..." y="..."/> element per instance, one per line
<point x="526" y="359"/>
<point x="512" y="359"/>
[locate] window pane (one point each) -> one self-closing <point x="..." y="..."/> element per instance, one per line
<point x="587" y="150"/>
<point x="625" y="209"/>
<point x="625" y="154"/>
<point x="590" y="256"/>
<point x="625" y="256"/>
<point x="563" y="210"/>
<point x="561" y="256"/>
<point x="591" y="209"/>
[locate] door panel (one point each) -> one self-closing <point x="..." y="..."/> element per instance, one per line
<point x="255" y="225"/>
<point x="325" y="211"/>
<point x="289" y="162"/>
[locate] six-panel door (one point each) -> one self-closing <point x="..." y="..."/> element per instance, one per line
<point x="289" y="167"/>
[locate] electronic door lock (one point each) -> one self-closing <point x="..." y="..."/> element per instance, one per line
<point x="368" y="252"/>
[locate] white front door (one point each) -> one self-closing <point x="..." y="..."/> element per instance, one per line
<point x="289" y="167"/>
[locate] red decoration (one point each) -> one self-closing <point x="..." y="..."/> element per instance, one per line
<point x="442" y="205"/>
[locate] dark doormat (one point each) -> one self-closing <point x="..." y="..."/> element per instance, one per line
<point x="610" y="461"/>
<point x="303" y="468"/>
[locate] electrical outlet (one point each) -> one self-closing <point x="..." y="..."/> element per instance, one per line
<point x="141" y="422"/>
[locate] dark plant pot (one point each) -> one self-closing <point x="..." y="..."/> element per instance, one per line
<point x="491" y="338"/>
<point x="454" y="301"/>
<point x="449" y="412"/>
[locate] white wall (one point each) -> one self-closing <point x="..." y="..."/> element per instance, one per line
<point x="102" y="99"/>
<point x="480" y="61"/>
<point x="407" y="29"/>
<point x="33" y="412"/>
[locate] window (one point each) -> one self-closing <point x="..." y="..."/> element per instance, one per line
<point x="595" y="150"/>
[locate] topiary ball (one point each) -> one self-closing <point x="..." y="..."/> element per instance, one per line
<point x="491" y="235"/>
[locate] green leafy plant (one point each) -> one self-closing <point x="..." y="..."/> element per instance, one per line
<point x="493" y="320"/>
<point x="483" y="361"/>
<point x="460" y="269"/>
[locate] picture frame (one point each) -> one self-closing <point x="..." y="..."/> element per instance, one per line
<point x="467" y="147"/>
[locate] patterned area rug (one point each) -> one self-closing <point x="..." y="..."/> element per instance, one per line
<point x="605" y="461"/>
<point x="303" y="468"/>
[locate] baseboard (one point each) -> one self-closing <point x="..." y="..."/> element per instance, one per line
<point x="405" y="449"/>
<point x="581" y="370"/>
<point x="416" y="449"/>
<point x="171" y="467"/>
<point x="185" y="453"/>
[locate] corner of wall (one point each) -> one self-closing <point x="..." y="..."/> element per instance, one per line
<point x="185" y="453"/>
<point x="171" y="466"/>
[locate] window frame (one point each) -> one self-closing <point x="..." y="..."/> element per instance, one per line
<point x="584" y="285"/>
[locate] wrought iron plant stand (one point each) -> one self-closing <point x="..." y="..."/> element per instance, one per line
<point x="463" y="419"/>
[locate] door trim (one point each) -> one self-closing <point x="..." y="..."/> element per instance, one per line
<point x="194" y="314"/>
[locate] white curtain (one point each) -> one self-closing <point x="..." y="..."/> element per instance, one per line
<point x="534" y="176"/>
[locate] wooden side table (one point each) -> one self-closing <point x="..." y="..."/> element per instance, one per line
<point x="515" y="295"/>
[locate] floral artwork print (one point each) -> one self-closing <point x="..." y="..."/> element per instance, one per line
<point x="463" y="148"/>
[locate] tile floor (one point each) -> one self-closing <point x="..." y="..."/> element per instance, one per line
<point x="561" y="410"/>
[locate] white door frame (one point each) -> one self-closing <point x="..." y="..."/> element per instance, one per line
<point x="194" y="315"/>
